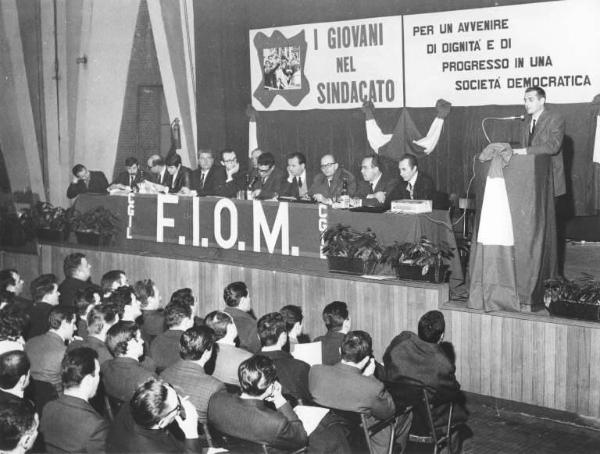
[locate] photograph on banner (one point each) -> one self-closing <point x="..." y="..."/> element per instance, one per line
<point x="490" y="55"/>
<point x="335" y="65"/>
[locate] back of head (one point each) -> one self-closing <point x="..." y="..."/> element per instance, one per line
<point x="334" y="315"/>
<point x="77" y="168"/>
<point x="71" y="263"/>
<point x="175" y="313"/>
<point x="12" y="323"/>
<point x="431" y="326"/>
<point x="7" y="278"/>
<point x="144" y="289"/>
<point x="42" y="285"/>
<point x="256" y="374"/>
<point x="58" y="314"/>
<point x="13" y="365"/>
<point x="111" y="280"/>
<point x="119" y="335"/>
<point x="101" y="315"/>
<point x="183" y="295"/>
<point x="149" y="403"/>
<point x="266" y="159"/>
<point x="17" y="419"/>
<point x="195" y="341"/>
<point x="173" y="160"/>
<point x="76" y="364"/>
<point x="122" y="297"/>
<point x="356" y="346"/>
<point x="84" y="298"/>
<point x="270" y="326"/>
<point x="291" y="315"/>
<point x="234" y="292"/>
<point x="218" y="322"/>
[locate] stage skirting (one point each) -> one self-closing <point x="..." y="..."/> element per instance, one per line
<point x="521" y="357"/>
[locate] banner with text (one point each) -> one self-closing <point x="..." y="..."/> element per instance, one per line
<point x="335" y="65"/>
<point x="490" y="55"/>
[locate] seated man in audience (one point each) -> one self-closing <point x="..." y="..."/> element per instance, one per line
<point x="47" y="350"/>
<point x="12" y="282"/>
<point x="327" y="186"/>
<point x="122" y="375"/>
<point x="239" y="307"/>
<point x="248" y="418"/>
<point x="12" y="325"/>
<point x="70" y="423"/>
<point x="85" y="300"/>
<point x="235" y="179"/>
<point x="208" y="179"/>
<point x="18" y="427"/>
<point x="130" y="177"/>
<point x="180" y="177"/>
<point x="165" y="348"/>
<point x="292" y="315"/>
<point x="112" y="280"/>
<point x="77" y="276"/>
<point x="188" y="374"/>
<point x="99" y="321"/>
<point x="296" y="183"/>
<point x="14" y="376"/>
<point x="141" y="425"/>
<point x="158" y="170"/>
<point x="335" y="316"/>
<point x="430" y="361"/>
<point x="127" y="303"/>
<point x="375" y="186"/>
<point x="228" y="356"/>
<point x="85" y="180"/>
<point x="351" y="386"/>
<point x="153" y="316"/>
<point x="414" y="185"/>
<point x="268" y="183"/>
<point x="45" y="294"/>
<point x="292" y="373"/>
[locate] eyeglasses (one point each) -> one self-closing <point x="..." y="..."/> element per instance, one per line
<point x="328" y="165"/>
<point x="228" y="161"/>
<point x="263" y="170"/>
<point x="178" y="410"/>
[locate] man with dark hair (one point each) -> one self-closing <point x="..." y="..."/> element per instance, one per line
<point x="229" y="356"/>
<point x="415" y="184"/>
<point x="158" y="170"/>
<point x="128" y="179"/>
<point x="296" y="183"/>
<point x="268" y="183"/>
<point x="180" y="177"/>
<point x="126" y="302"/>
<point x="18" y="427"/>
<point x="141" y="425"/>
<point x="328" y="184"/>
<point x="14" y="376"/>
<point x="292" y="315"/>
<point x="122" y="375"/>
<point x="153" y="316"/>
<point x="99" y="320"/>
<point x="47" y="350"/>
<point x="12" y="282"/>
<point x="45" y="294"/>
<point x="86" y="181"/>
<point x="208" y="179"/>
<point x="165" y="348"/>
<point x="337" y="321"/>
<point x="188" y="373"/>
<point x="112" y="280"/>
<point x="248" y="418"/>
<point x="85" y="300"/>
<point x="292" y="373"/>
<point x="351" y="386"/>
<point x="375" y="185"/>
<point x="70" y="423"/>
<point x="239" y="306"/>
<point x="12" y="326"/>
<point x="77" y="276"/>
<point x="236" y="180"/>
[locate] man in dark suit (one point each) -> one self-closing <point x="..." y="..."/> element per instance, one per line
<point x="158" y="170"/>
<point x="296" y="183"/>
<point x="236" y="180"/>
<point x="327" y="185"/>
<point x="188" y="375"/>
<point x="268" y="185"/>
<point x="248" y="418"/>
<point x="86" y="181"/>
<point x="100" y="319"/>
<point x="337" y="321"/>
<point x="18" y="427"/>
<point x="12" y="283"/>
<point x="416" y="185"/>
<point x="77" y="277"/>
<point x="14" y="376"/>
<point x="141" y="425"/>
<point x="70" y="423"/>
<point x="239" y="306"/>
<point x="153" y="316"/>
<point x="165" y="348"/>
<point x="129" y="178"/>
<point x="375" y="185"/>
<point x="351" y="386"/>
<point x="542" y="132"/>
<point x="180" y="177"/>
<point x="291" y="372"/>
<point x="208" y="179"/>
<point x="44" y="291"/>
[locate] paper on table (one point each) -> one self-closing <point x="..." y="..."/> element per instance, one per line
<point x="310" y="416"/>
<point x="310" y="352"/>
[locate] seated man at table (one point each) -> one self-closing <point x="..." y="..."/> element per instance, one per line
<point x="375" y="185"/>
<point x="180" y="177"/>
<point x="415" y="184"/>
<point x="268" y="185"/>
<point x="327" y="185"/>
<point x="158" y="170"/>
<point x="85" y="180"/>
<point x="236" y="179"/>
<point x="208" y="179"/>
<point x="128" y="179"/>
<point x="296" y="184"/>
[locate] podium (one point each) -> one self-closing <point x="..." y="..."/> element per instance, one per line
<point x="530" y="191"/>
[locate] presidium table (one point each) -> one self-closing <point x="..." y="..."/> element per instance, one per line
<point x="266" y="234"/>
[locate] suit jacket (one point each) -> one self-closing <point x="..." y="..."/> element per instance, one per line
<point x="192" y="381"/>
<point x="271" y="187"/>
<point x="165" y="348"/>
<point x="228" y="360"/>
<point x="45" y="353"/>
<point x="70" y="424"/>
<point x="321" y="186"/>
<point x="165" y="180"/>
<point x="182" y="179"/>
<point x="38" y="319"/>
<point x="330" y="347"/>
<point x="94" y="343"/>
<point x="252" y="420"/>
<point x="547" y="139"/>
<point x="385" y="184"/>
<point x="97" y="184"/>
<point x="213" y="182"/>
<point x="68" y="290"/>
<point x="152" y="324"/>
<point x="121" y="376"/>
<point x="6" y="398"/>
<point x="424" y="189"/>
<point x="246" y="326"/>
<point x="123" y="178"/>
<point x="292" y="374"/>
<point x="291" y="188"/>
<point x="237" y="183"/>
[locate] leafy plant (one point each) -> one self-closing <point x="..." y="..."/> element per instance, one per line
<point x="44" y="215"/>
<point x="99" y="220"/>
<point x="424" y="254"/>
<point x="584" y="290"/>
<point x="343" y="241"/>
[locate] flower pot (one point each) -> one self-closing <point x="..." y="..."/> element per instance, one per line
<point x="571" y="309"/>
<point x="93" y="238"/>
<point x="53" y="235"/>
<point x="350" y="265"/>
<point x="415" y="273"/>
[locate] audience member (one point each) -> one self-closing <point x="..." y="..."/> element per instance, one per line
<point x="99" y="321"/>
<point x="268" y="183"/>
<point x="14" y="376"/>
<point x="85" y="300"/>
<point x="122" y="375"/>
<point x="228" y="356"/>
<point x="375" y="185"/>
<point x="327" y="186"/>
<point x="180" y="177"/>
<point x="18" y="427"/>
<point x="85" y="180"/>
<point x="239" y="307"/>
<point x="208" y="179"/>
<point x="77" y="276"/>
<point x="165" y="348"/>
<point x="247" y="416"/>
<point x="296" y="183"/>
<point x="293" y="317"/>
<point x="129" y="179"/>
<point x="70" y="423"/>
<point x="126" y="302"/>
<point x="112" y="280"/>
<point x="292" y="373"/>
<point x="45" y="294"/>
<point x="335" y="316"/>
<point x="6" y="299"/>
<point x="158" y="170"/>
<point x="12" y="282"/>
<point x="188" y="374"/>
<point x="12" y="326"/>
<point x="153" y="316"/>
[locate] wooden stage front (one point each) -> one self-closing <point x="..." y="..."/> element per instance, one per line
<point x="534" y="359"/>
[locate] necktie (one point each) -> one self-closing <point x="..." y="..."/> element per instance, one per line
<point x="531" y="133"/>
<point x="409" y="188"/>
<point x="202" y="180"/>
<point x="131" y="177"/>
<point x="372" y="188"/>
<point x="299" y="182"/>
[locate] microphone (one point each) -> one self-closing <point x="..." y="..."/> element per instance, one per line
<point x="516" y="117"/>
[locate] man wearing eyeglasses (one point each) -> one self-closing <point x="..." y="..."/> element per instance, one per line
<point x="235" y="178"/>
<point x="268" y="184"/>
<point x="327" y="185"/>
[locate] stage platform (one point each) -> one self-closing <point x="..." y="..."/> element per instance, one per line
<point x="529" y="358"/>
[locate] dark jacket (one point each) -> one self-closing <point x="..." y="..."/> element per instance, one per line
<point x="68" y="290"/>
<point x="97" y="184"/>
<point x="38" y="319"/>
<point x="213" y="182"/>
<point x="321" y="186"/>
<point x="165" y="348"/>
<point x="95" y="344"/>
<point x="237" y="183"/>
<point x="385" y="184"/>
<point x="182" y="179"/>
<point x="292" y="188"/>
<point x="424" y="189"/>
<point x="151" y="323"/>
<point x="246" y="327"/>
<point x="330" y="347"/>
<point x="121" y="377"/>
<point x="123" y="178"/>
<point x="292" y="374"/>
<point x="271" y="187"/>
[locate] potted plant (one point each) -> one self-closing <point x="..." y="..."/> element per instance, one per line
<point x="349" y="251"/>
<point x="16" y="229"/>
<point x="577" y="298"/>
<point x="95" y="227"/>
<point x="423" y="260"/>
<point x="51" y="223"/>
